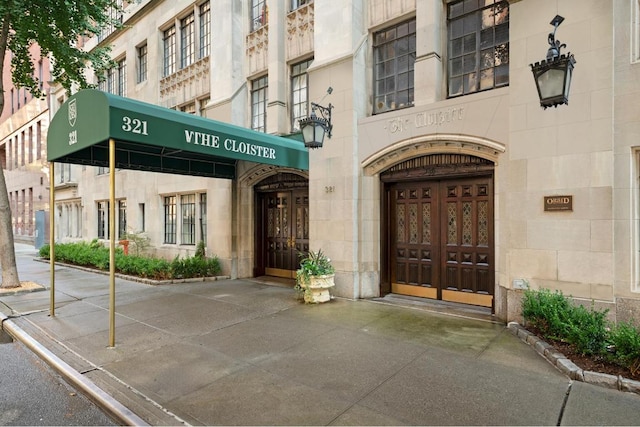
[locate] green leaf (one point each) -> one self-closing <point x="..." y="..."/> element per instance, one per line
<point x="58" y="27"/>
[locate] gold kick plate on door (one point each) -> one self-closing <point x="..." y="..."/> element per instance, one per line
<point x="416" y="291"/>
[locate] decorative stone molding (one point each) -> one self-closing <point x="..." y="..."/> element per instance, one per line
<point x="186" y="84"/>
<point x="431" y="144"/>
<point x="257" y="50"/>
<point x="259" y="172"/>
<point x="300" y="27"/>
<point x="381" y="11"/>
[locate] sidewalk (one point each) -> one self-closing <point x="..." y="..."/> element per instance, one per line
<point x="242" y="352"/>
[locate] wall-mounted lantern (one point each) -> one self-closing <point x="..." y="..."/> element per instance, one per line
<point x="313" y="127"/>
<point x="553" y="75"/>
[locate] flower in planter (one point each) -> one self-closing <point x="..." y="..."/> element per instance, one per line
<point x="315" y="276"/>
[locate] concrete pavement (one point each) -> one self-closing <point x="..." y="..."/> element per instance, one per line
<point x="246" y="352"/>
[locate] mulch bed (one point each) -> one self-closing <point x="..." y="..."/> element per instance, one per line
<point x="588" y="362"/>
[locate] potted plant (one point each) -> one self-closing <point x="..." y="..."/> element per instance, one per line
<point x="315" y="277"/>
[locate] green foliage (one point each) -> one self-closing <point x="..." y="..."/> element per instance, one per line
<point x="201" y="250"/>
<point x="56" y="26"/>
<point x="546" y="311"/>
<point x="95" y="255"/>
<point x="44" y="251"/>
<point x="140" y="240"/>
<point x="587" y="330"/>
<point x="151" y="268"/>
<point x="311" y="264"/>
<point x="184" y="268"/>
<point x="625" y="343"/>
<point x="314" y="264"/>
<point x="556" y="318"/>
<point x="85" y="254"/>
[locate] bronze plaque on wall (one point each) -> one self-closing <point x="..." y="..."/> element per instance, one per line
<point x="558" y="203"/>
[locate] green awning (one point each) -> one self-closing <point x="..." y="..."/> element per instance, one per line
<point x="153" y="138"/>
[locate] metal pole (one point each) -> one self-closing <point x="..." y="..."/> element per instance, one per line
<point x="112" y="243"/>
<point x="52" y="251"/>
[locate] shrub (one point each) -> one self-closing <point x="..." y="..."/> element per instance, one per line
<point x="95" y="255"/>
<point x="557" y="318"/>
<point x="150" y="268"/>
<point x="546" y="311"/>
<point x="44" y="251"/>
<point x="625" y="342"/>
<point x="140" y="241"/>
<point x="82" y="253"/>
<point x="201" y="250"/>
<point x="185" y="268"/>
<point x="587" y="330"/>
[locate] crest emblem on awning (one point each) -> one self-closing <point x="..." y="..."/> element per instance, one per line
<point x="73" y="113"/>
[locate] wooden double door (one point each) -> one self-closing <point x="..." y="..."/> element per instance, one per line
<point x="283" y="226"/>
<point x="440" y="236"/>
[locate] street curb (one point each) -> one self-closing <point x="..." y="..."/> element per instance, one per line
<point x="115" y="409"/>
<point x="567" y="367"/>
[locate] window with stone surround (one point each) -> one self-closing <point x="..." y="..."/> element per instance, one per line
<point x="202" y="105"/>
<point x="142" y="62"/>
<point x="188" y="210"/>
<point x="186" y="38"/>
<point x="141" y="217"/>
<point x="205" y="29"/>
<point x="114" y="79"/>
<point x="478" y="46"/>
<point x="189" y="108"/>
<point x="30" y="145"/>
<point x="38" y="140"/>
<point x="299" y="93"/>
<point x="259" y="89"/>
<point x="116" y="18"/>
<point x="193" y="218"/>
<point x="122" y="219"/>
<point x="187" y="41"/>
<point x="103" y="223"/>
<point x="122" y="77"/>
<point x="63" y="170"/>
<point x="203" y="217"/>
<point x="259" y="14"/>
<point x="70" y="221"/>
<point x="296" y="4"/>
<point x="394" y="53"/>
<point x="111" y="80"/>
<point x="170" y="213"/>
<point x="169" y="51"/>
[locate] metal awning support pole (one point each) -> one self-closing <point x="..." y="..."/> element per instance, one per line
<point x="52" y="232"/>
<point x="112" y="243"/>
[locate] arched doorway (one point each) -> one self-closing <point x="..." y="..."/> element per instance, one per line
<point x="438" y="229"/>
<point x="282" y="224"/>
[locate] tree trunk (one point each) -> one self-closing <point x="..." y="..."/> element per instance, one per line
<point x="10" y="277"/>
<point x="7" y="250"/>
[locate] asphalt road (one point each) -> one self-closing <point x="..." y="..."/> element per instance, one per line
<point x="32" y="394"/>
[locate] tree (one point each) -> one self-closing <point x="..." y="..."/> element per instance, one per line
<point x="56" y="26"/>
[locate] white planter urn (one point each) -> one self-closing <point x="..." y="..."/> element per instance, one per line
<point x="316" y="290"/>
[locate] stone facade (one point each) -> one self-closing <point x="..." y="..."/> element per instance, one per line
<point x="23" y="150"/>
<point x="587" y="149"/>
